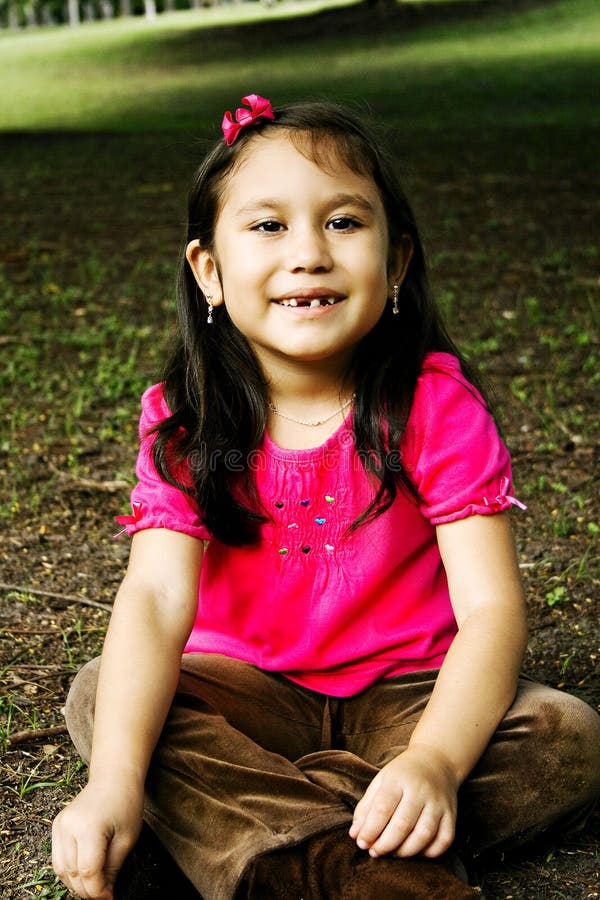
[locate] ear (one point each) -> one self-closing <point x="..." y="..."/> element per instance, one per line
<point x="205" y="271"/>
<point x="400" y="257"/>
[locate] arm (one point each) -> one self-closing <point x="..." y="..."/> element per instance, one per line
<point x="152" y="617"/>
<point x="410" y="806"/>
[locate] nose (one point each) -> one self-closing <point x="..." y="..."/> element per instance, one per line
<point x="309" y="250"/>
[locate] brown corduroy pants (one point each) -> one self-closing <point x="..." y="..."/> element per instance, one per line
<point x="248" y="763"/>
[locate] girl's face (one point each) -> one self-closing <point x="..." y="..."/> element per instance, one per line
<point x="301" y="256"/>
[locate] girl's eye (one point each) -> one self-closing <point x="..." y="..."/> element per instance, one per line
<point x="270" y="226"/>
<point x="343" y="223"/>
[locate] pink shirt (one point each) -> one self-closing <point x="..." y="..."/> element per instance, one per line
<point x="330" y="611"/>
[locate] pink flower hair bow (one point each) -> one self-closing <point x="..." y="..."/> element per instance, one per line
<point x="259" y="109"/>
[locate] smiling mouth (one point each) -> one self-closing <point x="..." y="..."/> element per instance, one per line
<point x="309" y="304"/>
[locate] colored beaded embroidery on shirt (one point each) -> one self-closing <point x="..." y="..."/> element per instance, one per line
<point x="319" y="520"/>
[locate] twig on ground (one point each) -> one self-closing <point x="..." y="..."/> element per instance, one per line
<point x="73" y="483"/>
<point x="91" y="484"/>
<point x="19" y="737"/>
<point x="54" y="669"/>
<point x="30" y="630"/>
<point x="42" y="592"/>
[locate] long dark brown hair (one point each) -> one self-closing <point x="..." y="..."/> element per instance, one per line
<point x="214" y="386"/>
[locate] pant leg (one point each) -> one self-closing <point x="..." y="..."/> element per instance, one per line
<point x="222" y="786"/>
<point x="541" y="769"/>
<point x="540" y="772"/>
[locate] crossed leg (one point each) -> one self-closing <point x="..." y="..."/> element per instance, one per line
<point x="250" y="765"/>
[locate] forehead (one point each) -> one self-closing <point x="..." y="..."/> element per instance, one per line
<point x="277" y="165"/>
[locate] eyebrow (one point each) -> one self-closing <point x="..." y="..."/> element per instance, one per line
<point x="353" y="200"/>
<point x="342" y="199"/>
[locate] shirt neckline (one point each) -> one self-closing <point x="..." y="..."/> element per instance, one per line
<point x="276" y="450"/>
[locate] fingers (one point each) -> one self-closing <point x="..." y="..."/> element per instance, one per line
<point x="64" y="858"/>
<point x="374" y="812"/>
<point x="80" y="865"/>
<point x="83" y="883"/>
<point x="361" y="812"/>
<point x="405" y="822"/>
<point x="443" y="839"/>
<point x="118" y="849"/>
<point x="411" y="829"/>
<point x="91" y="856"/>
<point x="92" y="836"/>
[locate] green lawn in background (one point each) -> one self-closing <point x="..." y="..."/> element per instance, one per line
<point x="538" y="66"/>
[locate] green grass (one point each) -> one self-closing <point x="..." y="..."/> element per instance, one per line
<point x="537" y="66"/>
<point x="46" y="884"/>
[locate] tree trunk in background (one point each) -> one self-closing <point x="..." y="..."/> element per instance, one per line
<point x="13" y="16"/>
<point x="29" y="13"/>
<point x="73" y="13"/>
<point x="150" y="9"/>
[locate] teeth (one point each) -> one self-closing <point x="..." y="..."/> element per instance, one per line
<point x="313" y="304"/>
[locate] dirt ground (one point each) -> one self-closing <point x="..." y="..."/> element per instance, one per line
<point x="513" y="260"/>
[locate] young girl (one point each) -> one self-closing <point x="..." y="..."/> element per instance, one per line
<point x="320" y="528"/>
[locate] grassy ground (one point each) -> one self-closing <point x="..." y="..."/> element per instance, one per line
<point x="533" y="68"/>
<point x="493" y="118"/>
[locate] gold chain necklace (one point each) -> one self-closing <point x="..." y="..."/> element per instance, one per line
<point x="281" y="415"/>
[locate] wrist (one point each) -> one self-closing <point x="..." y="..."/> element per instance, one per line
<point x="454" y="771"/>
<point x="117" y="776"/>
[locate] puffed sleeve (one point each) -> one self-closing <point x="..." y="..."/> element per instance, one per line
<point x="156" y="503"/>
<point x="452" y="449"/>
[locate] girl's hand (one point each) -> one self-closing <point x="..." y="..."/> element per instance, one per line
<point x="409" y="807"/>
<point x="92" y="836"/>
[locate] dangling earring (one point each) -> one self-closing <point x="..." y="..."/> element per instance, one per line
<point x="395" y="295"/>
<point x="210" y="308"/>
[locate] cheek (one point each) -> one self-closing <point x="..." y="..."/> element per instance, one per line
<point x="380" y="282"/>
<point x="240" y="264"/>
<point x="381" y="255"/>
<point x="380" y="294"/>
